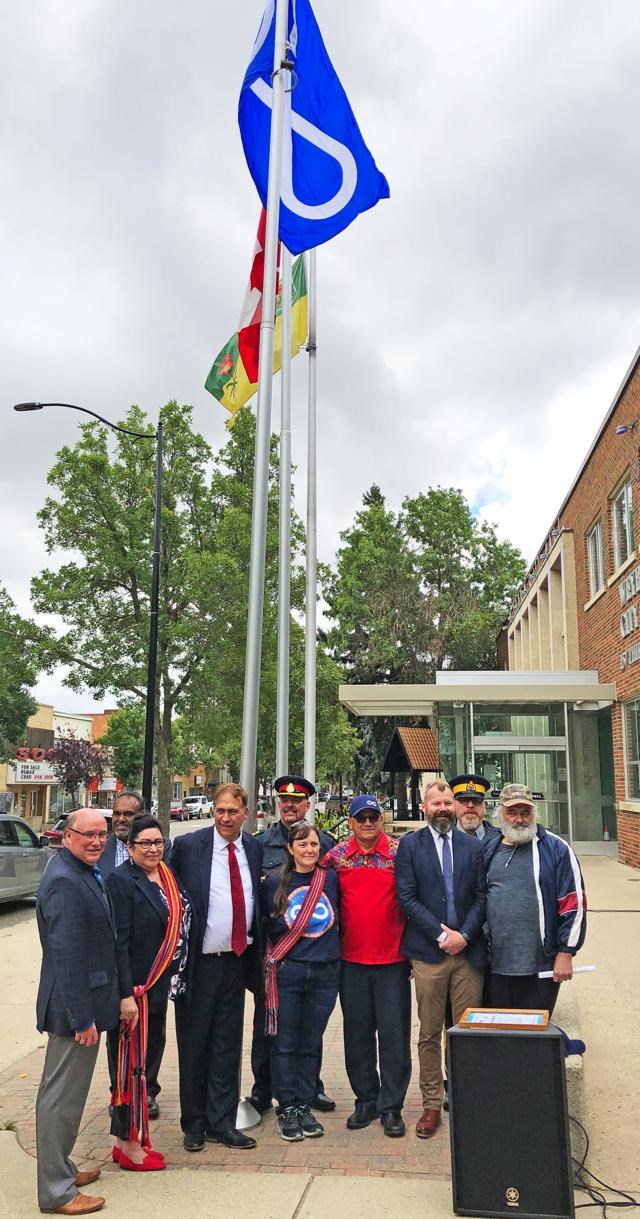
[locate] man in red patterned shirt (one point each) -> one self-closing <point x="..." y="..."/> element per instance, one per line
<point x="375" y="994"/>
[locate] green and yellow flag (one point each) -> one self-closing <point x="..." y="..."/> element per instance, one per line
<point x="233" y="378"/>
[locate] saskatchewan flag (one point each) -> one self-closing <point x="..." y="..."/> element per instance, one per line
<point x="233" y="378"/>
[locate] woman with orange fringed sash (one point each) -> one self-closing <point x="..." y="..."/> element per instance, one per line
<point x="153" y="918"/>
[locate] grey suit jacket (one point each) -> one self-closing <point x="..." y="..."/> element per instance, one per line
<point x="79" y="982"/>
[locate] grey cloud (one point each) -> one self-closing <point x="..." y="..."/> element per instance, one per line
<point x="496" y="288"/>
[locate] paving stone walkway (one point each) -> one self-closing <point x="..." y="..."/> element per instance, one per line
<point x="339" y="1153"/>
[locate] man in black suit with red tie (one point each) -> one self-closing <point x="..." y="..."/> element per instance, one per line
<point x="220" y="868"/>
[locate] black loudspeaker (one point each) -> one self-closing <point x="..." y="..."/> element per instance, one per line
<point x="510" y="1150"/>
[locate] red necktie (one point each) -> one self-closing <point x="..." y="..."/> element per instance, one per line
<point x="239" y="925"/>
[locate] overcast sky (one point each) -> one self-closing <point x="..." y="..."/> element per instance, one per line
<point x="473" y="328"/>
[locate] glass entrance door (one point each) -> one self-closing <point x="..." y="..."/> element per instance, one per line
<point x="544" y="772"/>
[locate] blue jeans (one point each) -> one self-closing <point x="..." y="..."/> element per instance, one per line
<point x="307" y="993"/>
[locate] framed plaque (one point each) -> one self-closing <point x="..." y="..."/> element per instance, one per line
<point x="526" y="1019"/>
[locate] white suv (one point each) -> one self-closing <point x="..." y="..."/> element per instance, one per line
<point x="197" y="807"/>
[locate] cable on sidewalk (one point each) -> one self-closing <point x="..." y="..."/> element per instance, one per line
<point x="582" y="1178"/>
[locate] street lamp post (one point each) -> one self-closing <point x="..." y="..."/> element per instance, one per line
<point x="147" y="771"/>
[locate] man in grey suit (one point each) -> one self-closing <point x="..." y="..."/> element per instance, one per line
<point x="78" y="997"/>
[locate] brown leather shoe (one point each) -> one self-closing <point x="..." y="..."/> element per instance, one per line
<point x="82" y="1204"/>
<point x="427" y="1125"/>
<point x="87" y="1177"/>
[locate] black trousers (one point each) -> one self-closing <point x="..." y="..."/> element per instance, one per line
<point x="209" y="1034"/>
<point x="525" y="991"/>
<point x="376" y="1008"/>
<point x="155" y="1050"/>
<point x="261" y="1054"/>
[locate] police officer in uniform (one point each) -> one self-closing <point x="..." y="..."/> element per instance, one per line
<point x="294" y="801"/>
<point x="469" y="794"/>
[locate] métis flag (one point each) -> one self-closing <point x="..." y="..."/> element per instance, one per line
<point x="328" y="174"/>
<point x="233" y="378"/>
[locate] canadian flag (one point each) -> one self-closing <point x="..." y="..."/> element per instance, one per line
<point x="251" y="315"/>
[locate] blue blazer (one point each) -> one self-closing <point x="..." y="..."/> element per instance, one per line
<point x="421" y="893"/>
<point x="79" y="983"/>
<point x="191" y="861"/>
<point x="107" y="863"/>
<point x="141" y="922"/>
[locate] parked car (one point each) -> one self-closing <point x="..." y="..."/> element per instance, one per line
<point x="23" y="859"/>
<point x="198" y="806"/>
<point x="53" y="836"/>
<point x="178" y="811"/>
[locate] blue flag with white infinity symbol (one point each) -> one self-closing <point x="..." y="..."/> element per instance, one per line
<point x="328" y="174"/>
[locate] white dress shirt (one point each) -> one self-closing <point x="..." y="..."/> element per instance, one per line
<point x="217" y="937"/>
<point x="437" y="838"/>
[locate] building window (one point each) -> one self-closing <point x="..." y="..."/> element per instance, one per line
<point x="622" y="525"/>
<point x="596" y="564"/>
<point x="632" y="733"/>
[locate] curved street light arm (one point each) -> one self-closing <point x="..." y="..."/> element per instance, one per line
<point x="36" y="406"/>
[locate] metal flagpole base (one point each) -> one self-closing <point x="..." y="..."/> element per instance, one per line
<point x="247" y="1117"/>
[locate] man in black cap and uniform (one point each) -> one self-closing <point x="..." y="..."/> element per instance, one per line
<point x="294" y="801"/>
<point x="469" y="794"/>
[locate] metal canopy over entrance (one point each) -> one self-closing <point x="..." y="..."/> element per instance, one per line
<point x="551" y="731"/>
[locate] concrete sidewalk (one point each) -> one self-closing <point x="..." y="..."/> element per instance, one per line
<point x="363" y="1169"/>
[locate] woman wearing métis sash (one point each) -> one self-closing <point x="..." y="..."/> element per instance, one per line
<point x="302" y="976"/>
<point x="153" y="919"/>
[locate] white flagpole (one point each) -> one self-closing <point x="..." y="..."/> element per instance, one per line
<point x="284" y="559"/>
<point x="312" y="545"/>
<point x="253" y="655"/>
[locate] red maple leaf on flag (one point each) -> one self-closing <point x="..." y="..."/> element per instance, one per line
<point x="225" y="366"/>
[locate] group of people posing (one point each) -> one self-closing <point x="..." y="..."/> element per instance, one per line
<point x="473" y="912"/>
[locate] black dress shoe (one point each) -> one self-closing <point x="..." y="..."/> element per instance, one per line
<point x="363" y="1115"/>
<point x="193" y="1140"/>
<point x="153" y="1109"/>
<point x="261" y="1103"/>
<point x="231" y="1138"/>
<point x="445" y="1102"/>
<point x="392" y="1124"/>
<point x="323" y="1102"/>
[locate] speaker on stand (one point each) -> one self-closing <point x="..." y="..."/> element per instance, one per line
<point x="510" y="1149"/>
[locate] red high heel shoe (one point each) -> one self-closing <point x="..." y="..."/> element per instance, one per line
<point x="151" y="1163"/>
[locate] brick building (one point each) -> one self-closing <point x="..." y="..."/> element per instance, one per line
<point x="579" y="608"/>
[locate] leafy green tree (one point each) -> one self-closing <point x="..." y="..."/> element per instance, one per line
<point x="18" y="673"/>
<point x="468" y="576"/>
<point x="215" y="715"/>
<point x="125" y="739"/>
<point x="101" y="517"/>
<point x="414" y="592"/>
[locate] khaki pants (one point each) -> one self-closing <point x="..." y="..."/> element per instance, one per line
<point x="451" y="977"/>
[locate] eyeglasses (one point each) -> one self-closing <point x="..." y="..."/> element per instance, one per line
<point x="149" y="844"/>
<point x="372" y="817"/>
<point x="89" y="835"/>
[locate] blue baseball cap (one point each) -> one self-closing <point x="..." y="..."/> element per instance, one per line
<point x="360" y="804"/>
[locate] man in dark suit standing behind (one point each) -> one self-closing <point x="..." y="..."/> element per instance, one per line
<point x="442" y="888"/>
<point x="220" y="868"/>
<point x="78" y="997"/>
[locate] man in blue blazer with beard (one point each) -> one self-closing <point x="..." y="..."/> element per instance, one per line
<point x="442" y="889"/>
<point x="220" y="867"/>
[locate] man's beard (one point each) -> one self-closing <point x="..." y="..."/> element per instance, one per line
<point x="443" y="822"/>
<point x="518" y="834"/>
